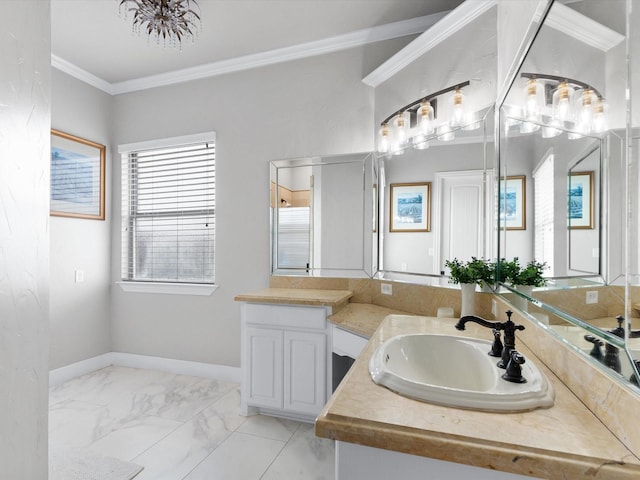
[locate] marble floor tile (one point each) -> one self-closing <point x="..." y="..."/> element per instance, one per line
<point x="131" y="438"/>
<point x="180" y="427"/>
<point x="304" y="457"/>
<point x="177" y="454"/>
<point x="239" y="457"/>
<point x="269" y="427"/>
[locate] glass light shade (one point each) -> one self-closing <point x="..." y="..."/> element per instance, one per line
<point x="457" y="113"/>
<point x="401" y="129"/>
<point x="600" y="123"/>
<point x="586" y="111"/>
<point x="529" y="127"/>
<point x="420" y="142"/>
<point x="384" y="140"/>
<point x="563" y="102"/>
<point x="552" y="129"/>
<point x="425" y="118"/>
<point x="445" y="134"/>
<point x="534" y="100"/>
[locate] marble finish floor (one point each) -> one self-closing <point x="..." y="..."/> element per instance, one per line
<point x="180" y="427"/>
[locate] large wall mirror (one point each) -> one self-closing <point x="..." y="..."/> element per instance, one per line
<point x="323" y="216"/>
<point x="562" y="129"/>
<point x="451" y="160"/>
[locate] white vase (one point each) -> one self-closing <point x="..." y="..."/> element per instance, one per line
<point x="468" y="299"/>
<point x="519" y="302"/>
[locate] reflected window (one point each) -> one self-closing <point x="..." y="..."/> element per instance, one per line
<point x="544" y="189"/>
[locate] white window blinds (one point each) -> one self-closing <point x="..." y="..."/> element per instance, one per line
<point x="168" y="212"/>
<point x="543" y="189"/>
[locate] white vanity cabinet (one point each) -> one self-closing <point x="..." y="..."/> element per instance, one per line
<point x="284" y="359"/>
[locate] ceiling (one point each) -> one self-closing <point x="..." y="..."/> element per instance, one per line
<point x="92" y="39"/>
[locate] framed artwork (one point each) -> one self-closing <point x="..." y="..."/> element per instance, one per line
<point x="77" y="177"/>
<point x="410" y="207"/>
<point x="513" y="201"/>
<point x="580" y="200"/>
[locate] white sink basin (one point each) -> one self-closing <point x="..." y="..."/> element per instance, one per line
<point x="455" y="371"/>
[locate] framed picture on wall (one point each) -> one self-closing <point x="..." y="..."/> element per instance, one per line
<point x="580" y="200"/>
<point x="513" y="201"/>
<point x="77" y="177"/>
<point x="410" y="207"/>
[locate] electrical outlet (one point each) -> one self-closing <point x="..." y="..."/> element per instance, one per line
<point x="403" y="267"/>
<point x="494" y="308"/>
<point x="79" y="276"/>
<point x="592" y="297"/>
<point x="385" y="288"/>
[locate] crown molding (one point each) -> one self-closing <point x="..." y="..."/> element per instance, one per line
<point x="582" y="28"/>
<point x="454" y="21"/>
<point x="77" y="72"/>
<point x="336" y="43"/>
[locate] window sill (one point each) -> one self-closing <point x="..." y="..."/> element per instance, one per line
<point x="168" y="288"/>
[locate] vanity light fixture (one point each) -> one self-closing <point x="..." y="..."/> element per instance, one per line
<point x="169" y="20"/>
<point x="560" y="104"/>
<point x="417" y="123"/>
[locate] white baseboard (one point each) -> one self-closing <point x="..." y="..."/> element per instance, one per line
<point x="181" y="367"/>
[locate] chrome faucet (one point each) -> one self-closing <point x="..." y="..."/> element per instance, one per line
<point x="509" y="335"/>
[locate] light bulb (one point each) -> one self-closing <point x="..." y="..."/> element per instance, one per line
<point x="562" y="102"/>
<point x="420" y="142"/>
<point x="401" y="126"/>
<point x="532" y="101"/>
<point x="600" y="117"/>
<point x="585" y="116"/>
<point x="383" y="144"/>
<point x="445" y="134"/>
<point x="457" y="115"/>
<point x="425" y="115"/>
<point x="552" y="129"/>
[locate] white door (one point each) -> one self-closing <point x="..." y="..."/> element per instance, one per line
<point x="464" y="221"/>
<point x="264" y="368"/>
<point x="305" y="376"/>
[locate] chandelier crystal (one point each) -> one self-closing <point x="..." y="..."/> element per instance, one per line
<point x="169" y="20"/>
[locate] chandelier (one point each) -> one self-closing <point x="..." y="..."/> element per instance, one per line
<point x="169" y="20"/>
<point x="417" y="123"/>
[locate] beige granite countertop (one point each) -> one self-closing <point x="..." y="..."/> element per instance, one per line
<point x="362" y="318"/>
<point x="298" y="296"/>
<point x="565" y="441"/>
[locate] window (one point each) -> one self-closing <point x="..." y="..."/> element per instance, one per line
<point x="168" y="210"/>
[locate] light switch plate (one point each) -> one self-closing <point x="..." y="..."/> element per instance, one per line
<point x="592" y="297"/>
<point x="386" y="288"/>
<point x="79" y="276"/>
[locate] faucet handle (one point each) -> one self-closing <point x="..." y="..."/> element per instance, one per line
<point x="514" y="370"/>
<point x="496" y="347"/>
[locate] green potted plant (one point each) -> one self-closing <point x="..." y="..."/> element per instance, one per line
<point x="530" y="275"/>
<point x="469" y="274"/>
<point x="476" y="271"/>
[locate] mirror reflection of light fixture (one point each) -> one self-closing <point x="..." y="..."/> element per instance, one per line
<point x="559" y="104"/>
<point x="417" y="123"/>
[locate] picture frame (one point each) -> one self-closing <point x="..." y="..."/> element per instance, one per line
<point x="77" y="177"/>
<point x="410" y="207"/>
<point x="513" y="202"/>
<point x="580" y="200"/>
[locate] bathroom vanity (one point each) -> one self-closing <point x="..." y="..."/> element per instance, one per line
<point x="379" y="432"/>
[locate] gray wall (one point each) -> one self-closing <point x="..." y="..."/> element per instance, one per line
<point x="80" y="312"/>
<point x="315" y="106"/>
<point x="25" y="58"/>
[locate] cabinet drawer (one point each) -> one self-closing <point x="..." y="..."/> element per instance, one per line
<point x="347" y="343"/>
<point x="285" y="316"/>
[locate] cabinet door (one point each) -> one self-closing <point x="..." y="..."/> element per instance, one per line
<point x="305" y="372"/>
<point x="264" y="368"/>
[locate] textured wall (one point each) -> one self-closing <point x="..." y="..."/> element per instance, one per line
<point x="25" y="56"/>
